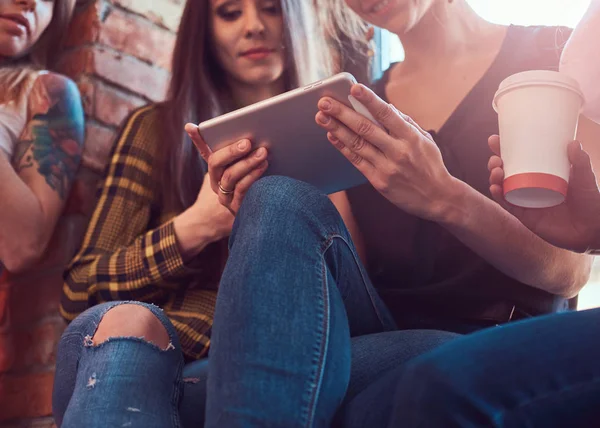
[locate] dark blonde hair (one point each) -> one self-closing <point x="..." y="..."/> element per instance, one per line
<point x="197" y="87"/>
<point x="15" y="77"/>
<point x="342" y="22"/>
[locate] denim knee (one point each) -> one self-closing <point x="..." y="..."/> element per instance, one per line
<point x="77" y="340"/>
<point x="292" y="201"/>
<point x="277" y="192"/>
<point x="86" y="324"/>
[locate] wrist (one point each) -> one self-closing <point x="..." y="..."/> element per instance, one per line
<point x="193" y="232"/>
<point x="452" y="207"/>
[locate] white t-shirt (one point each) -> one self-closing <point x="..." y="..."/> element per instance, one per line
<point x="13" y="119"/>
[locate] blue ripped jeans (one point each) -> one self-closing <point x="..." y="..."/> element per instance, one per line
<point x="298" y="329"/>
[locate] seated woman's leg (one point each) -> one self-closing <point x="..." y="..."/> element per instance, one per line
<point x="292" y="294"/>
<point x="375" y="355"/>
<point x="374" y="378"/>
<point x="542" y="372"/>
<point x="118" y="364"/>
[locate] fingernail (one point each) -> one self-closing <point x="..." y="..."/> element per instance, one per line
<point x="333" y="138"/>
<point x="242" y="145"/>
<point x="260" y="152"/>
<point x="324" y="119"/>
<point x="325" y="105"/>
<point x="359" y="92"/>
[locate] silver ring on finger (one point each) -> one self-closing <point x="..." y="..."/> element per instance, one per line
<point x="225" y="191"/>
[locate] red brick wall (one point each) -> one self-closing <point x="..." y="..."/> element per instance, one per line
<point x="118" y="53"/>
<point x="120" y="57"/>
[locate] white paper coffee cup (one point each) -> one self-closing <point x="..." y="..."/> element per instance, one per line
<point x="538" y="112"/>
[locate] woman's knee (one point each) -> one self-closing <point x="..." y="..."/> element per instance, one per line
<point x="282" y="202"/>
<point x="93" y="327"/>
<point x="131" y="320"/>
<point x="284" y="193"/>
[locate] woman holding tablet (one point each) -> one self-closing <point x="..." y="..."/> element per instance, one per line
<point x="158" y="236"/>
<point x="436" y="264"/>
<point x="444" y="254"/>
<point x="441" y="253"/>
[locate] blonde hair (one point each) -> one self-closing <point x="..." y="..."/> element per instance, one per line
<point x="310" y="56"/>
<point x="340" y="20"/>
<point x="15" y="83"/>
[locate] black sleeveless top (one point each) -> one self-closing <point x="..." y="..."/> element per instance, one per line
<point x="419" y="267"/>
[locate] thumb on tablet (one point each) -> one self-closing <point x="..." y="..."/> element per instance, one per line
<point x="192" y="131"/>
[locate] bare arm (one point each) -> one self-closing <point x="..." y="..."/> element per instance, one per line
<point x="506" y="243"/>
<point x="407" y="168"/>
<point x="34" y="189"/>
<point x="501" y="238"/>
<point x="523" y="254"/>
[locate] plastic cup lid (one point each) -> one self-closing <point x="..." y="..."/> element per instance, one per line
<point x="537" y="77"/>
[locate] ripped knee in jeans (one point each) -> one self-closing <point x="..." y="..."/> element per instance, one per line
<point x="130" y="321"/>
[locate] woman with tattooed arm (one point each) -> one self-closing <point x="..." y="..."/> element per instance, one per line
<point x="41" y="136"/>
<point x="41" y="128"/>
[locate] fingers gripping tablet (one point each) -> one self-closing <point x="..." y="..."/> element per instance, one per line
<point x="360" y="108"/>
<point x="285" y="124"/>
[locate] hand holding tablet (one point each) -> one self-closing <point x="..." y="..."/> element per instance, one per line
<point x="285" y="125"/>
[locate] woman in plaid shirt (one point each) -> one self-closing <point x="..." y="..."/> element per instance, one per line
<point x="158" y="236"/>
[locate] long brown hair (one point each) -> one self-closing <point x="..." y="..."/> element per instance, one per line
<point x="15" y="76"/>
<point x="197" y="88"/>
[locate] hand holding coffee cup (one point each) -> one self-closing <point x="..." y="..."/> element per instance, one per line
<point x="572" y="225"/>
<point x="538" y="113"/>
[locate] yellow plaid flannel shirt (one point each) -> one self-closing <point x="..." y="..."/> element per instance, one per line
<point x="130" y="251"/>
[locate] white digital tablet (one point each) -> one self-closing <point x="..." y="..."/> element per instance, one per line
<point x="285" y="124"/>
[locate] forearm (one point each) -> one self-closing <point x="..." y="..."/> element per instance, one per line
<point x="580" y="59"/>
<point x="22" y="240"/>
<point x="152" y="261"/>
<point x="505" y="243"/>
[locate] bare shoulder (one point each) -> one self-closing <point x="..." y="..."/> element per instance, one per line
<point x="51" y="90"/>
<point x="51" y="145"/>
<point x="56" y="84"/>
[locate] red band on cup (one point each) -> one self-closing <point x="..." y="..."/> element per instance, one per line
<point x="536" y="180"/>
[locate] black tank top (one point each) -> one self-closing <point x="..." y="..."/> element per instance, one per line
<point x="417" y="266"/>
